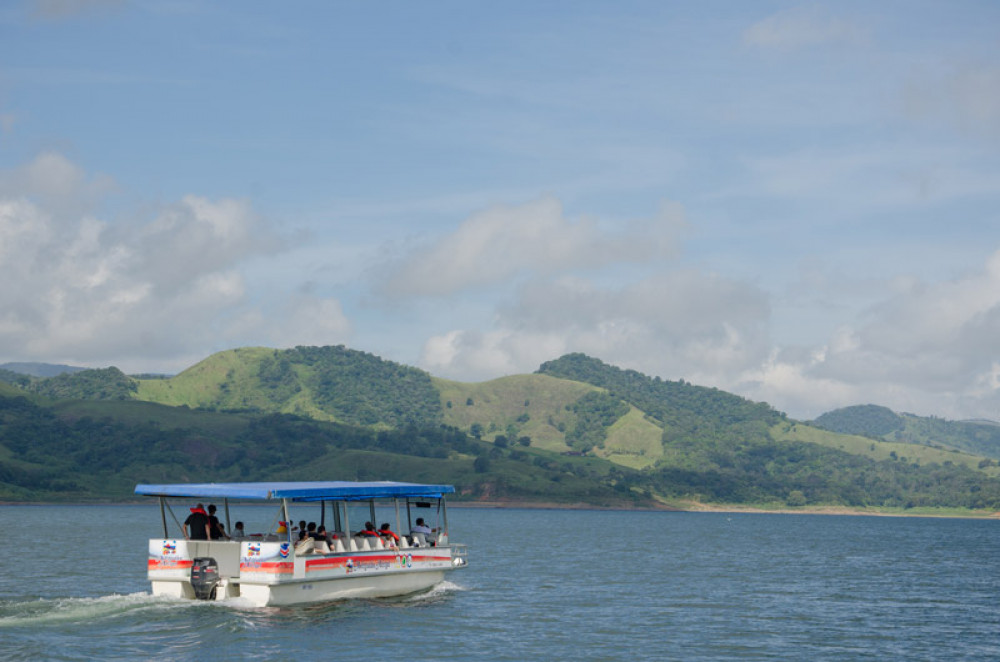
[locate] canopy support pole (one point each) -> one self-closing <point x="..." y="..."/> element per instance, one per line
<point x="163" y="517"/>
<point x="444" y="517"/>
<point x="288" y="523"/>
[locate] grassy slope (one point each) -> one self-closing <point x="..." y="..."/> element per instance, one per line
<point x="878" y="450"/>
<point x="499" y="402"/>
<point x="201" y="385"/>
<point x="633" y="441"/>
<point x="228" y="380"/>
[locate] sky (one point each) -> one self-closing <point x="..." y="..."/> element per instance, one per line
<point x="795" y="202"/>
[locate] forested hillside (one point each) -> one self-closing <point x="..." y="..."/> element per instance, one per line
<point x="100" y="450"/>
<point x="578" y="430"/>
<point x="979" y="437"/>
<point x="685" y="409"/>
<point x="866" y="420"/>
<point x="325" y="383"/>
<point x="99" y="384"/>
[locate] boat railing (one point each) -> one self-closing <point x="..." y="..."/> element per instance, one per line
<point x="459" y="554"/>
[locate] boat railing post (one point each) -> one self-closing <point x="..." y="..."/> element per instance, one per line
<point x="444" y="518"/>
<point x="395" y="502"/>
<point x="163" y="516"/>
<point x="288" y="523"/>
<point x="229" y="527"/>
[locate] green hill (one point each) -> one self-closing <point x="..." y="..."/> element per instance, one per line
<point x="323" y="383"/>
<point x="536" y="406"/>
<point x="579" y="430"/>
<point x="99" y="450"/>
<point x="976" y="437"/>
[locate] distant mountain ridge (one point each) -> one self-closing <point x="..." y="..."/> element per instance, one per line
<point x="33" y="369"/>
<point x="334" y="383"/>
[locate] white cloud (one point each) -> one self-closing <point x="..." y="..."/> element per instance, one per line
<point x="57" y="183"/>
<point x="163" y="285"/>
<point x="801" y="27"/>
<point x="928" y="348"/>
<point x="931" y="348"/>
<point x="502" y="242"/>
<point x="680" y="324"/>
<point x="302" y="319"/>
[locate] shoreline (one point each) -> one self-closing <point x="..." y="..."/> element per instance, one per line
<point x="698" y="507"/>
<point x="677" y="507"/>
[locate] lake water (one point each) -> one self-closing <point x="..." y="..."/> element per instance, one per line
<point x="541" y="585"/>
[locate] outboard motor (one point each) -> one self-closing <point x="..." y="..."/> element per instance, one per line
<point x="204" y="577"/>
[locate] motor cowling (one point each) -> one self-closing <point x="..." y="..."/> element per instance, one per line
<point x="204" y="577"/>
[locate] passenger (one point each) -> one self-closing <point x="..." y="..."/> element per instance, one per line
<point x="311" y="530"/>
<point x="238" y="531"/>
<point x="215" y="529"/>
<point x="422" y="533"/>
<point x="385" y="532"/>
<point x="301" y="528"/>
<point x="321" y="534"/>
<point x="199" y="524"/>
<point x="369" y="531"/>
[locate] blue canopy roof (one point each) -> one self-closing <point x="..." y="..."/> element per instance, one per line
<point x="296" y="491"/>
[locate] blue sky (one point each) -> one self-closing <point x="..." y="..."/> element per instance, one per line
<point x="796" y="202"/>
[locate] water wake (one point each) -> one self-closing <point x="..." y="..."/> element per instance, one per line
<point x="14" y="614"/>
<point x="437" y="591"/>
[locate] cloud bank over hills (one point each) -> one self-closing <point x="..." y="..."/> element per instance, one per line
<point x="795" y="203"/>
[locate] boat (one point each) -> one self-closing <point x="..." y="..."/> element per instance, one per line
<point x="274" y="568"/>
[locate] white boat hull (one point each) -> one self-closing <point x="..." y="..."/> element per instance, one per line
<point x="273" y="574"/>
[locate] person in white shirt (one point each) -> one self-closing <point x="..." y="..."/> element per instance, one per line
<point x="421" y="533"/>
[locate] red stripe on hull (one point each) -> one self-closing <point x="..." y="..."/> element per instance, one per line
<point x="157" y="564"/>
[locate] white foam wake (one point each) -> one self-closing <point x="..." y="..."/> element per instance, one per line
<point x="437" y="591"/>
<point x="67" y="610"/>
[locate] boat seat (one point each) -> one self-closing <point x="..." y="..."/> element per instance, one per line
<point x="305" y="546"/>
<point x="419" y="539"/>
<point x="321" y="547"/>
<point x="402" y="543"/>
<point x="362" y="544"/>
<point x="338" y="546"/>
<point x="377" y="543"/>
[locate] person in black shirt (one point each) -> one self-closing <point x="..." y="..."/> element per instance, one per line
<point x="215" y="529"/>
<point x="198" y="523"/>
